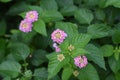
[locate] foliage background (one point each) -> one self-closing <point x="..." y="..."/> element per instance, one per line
<point x="23" y="55"/>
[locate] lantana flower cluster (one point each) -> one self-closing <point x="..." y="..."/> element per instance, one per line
<point x="80" y="61"/>
<point x="26" y="24"/>
<point x="58" y="36"/>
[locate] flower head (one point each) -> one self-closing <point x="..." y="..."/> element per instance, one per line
<point x="57" y="49"/>
<point x="80" y="61"/>
<point x="60" y="57"/>
<point x="58" y="36"/>
<point x="25" y="26"/>
<point x="32" y="16"/>
<point x="75" y="73"/>
<point x="71" y="47"/>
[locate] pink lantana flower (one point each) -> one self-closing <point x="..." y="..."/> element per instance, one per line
<point x="57" y="49"/>
<point x="80" y="61"/>
<point x="25" y="26"/>
<point x="32" y="16"/>
<point x="58" y="36"/>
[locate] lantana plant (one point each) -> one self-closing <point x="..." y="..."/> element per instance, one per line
<point x="69" y="50"/>
<point x="59" y="39"/>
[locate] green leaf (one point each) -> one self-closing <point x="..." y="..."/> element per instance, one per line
<point x="19" y="50"/>
<point x="116" y="36"/>
<point x="116" y="55"/>
<point x="110" y="2"/>
<point x="39" y="57"/>
<point x="68" y="28"/>
<point x="98" y="30"/>
<point x="110" y="77"/>
<point x="117" y="76"/>
<point x="51" y="15"/>
<point x="2" y="49"/>
<point x="2" y="27"/>
<point x="68" y="10"/>
<point x="7" y="78"/>
<point x="100" y="15"/>
<point x="55" y="65"/>
<point x="49" y="5"/>
<point x="10" y="68"/>
<point x="19" y="36"/>
<point x="67" y="72"/>
<point x="39" y="26"/>
<point x="78" y="52"/>
<point x="80" y="40"/>
<point x="102" y="3"/>
<point x="64" y="46"/>
<point x="107" y="50"/>
<point x="23" y="14"/>
<point x="115" y="3"/>
<point x="63" y="3"/>
<point x="40" y="74"/>
<point x="84" y="16"/>
<point x="5" y="1"/>
<point x="18" y="8"/>
<point x="26" y="37"/>
<point x="88" y="73"/>
<point x="114" y="65"/>
<point x="95" y="55"/>
<point x="56" y="78"/>
<point x="91" y="2"/>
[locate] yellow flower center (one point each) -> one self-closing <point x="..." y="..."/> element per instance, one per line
<point x="58" y="35"/>
<point x="81" y="60"/>
<point x="60" y="57"/>
<point x="31" y="16"/>
<point x="24" y="25"/>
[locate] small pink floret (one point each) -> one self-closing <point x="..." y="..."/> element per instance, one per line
<point x="32" y="16"/>
<point x="25" y="26"/>
<point x="58" y="36"/>
<point x="80" y="61"/>
<point x="57" y="49"/>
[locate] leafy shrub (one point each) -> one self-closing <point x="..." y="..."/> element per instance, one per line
<point x="68" y="40"/>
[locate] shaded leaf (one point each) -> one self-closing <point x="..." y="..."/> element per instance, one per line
<point x="88" y="73"/>
<point x="116" y="36"/>
<point x="18" y="8"/>
<point x="48" y="4"/>
<point x="10" y="68"/>
<point x="83" y="16"/>
<point x="95" y="55"/>
<point x="39" y="26"/>
<point x="51" y="15"/>
<point x="40" y="74"/>
<point x="19" y="50"/>
<point x="114" y="65"/>
<point x="67" y="72"/>
<point x="2" y="27"/>
<point x="98" y="30"/>
<point x="39" y="57"/>
<point x="100" y="15"/>
<point x="68" y="10"/>
<point x="80" y="40"/>
<point x="107" y="50"/>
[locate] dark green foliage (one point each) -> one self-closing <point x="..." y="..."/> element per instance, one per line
<point x="93" y="30"/>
